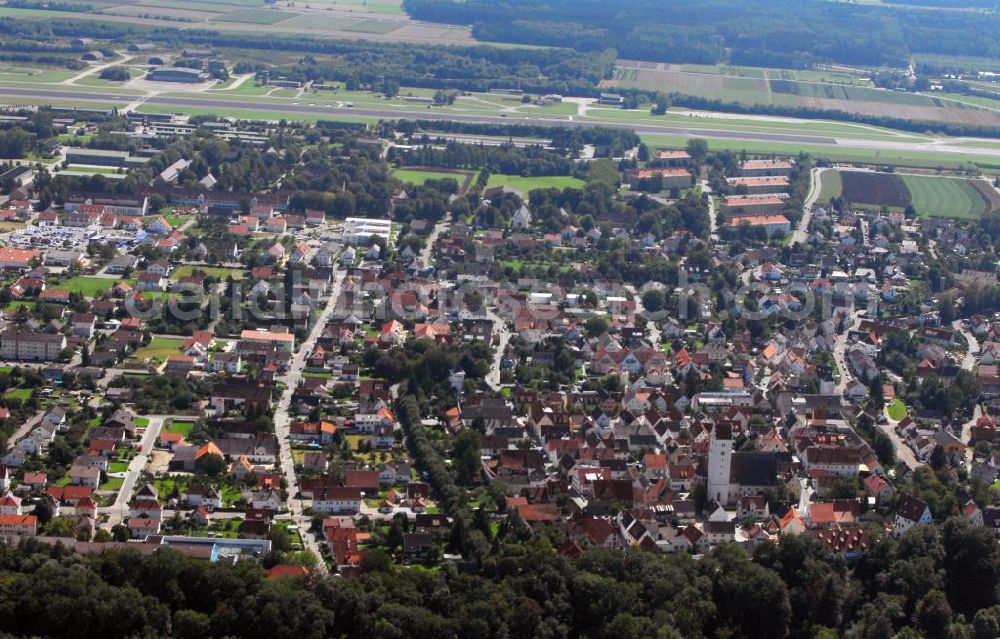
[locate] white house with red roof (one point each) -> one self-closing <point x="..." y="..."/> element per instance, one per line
<point x="10" y="505"/>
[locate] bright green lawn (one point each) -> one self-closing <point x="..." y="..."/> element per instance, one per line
<point x="831" y="186"/>
<point x="12" y="307"/>
<point x="23" y="394"/>
<point x="949" y="197"/>
<point x="184" y="428"/>
<point x="218" y="272"/>
<point x="113" y="483"/>
<point x="160" y="348"/>
<point x="528" y="184"/>
<point x="118" y="467"/>
<point x="89" y="286"/>
<point x="419" y="177"/>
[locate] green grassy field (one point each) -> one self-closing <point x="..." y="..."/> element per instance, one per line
<point x="14" y="305"/>
<point x="966" y="62"/>
<point x="256" y="16"/>
<point x="15" y="12"/>
<point x="419" y="177"/>
<point x="23" y="394"/>
<point x="92" y="170"/>
<point x="89" y="286"/>
<point x="830" y="186"/>
<point x="34" y="75"/>
<point x="842" y="153"/>
<point x="160" y="348"/>
<point x="202" y="5"/>
<point x="794" y="89"/>
<point x="528" y="184"/>
<point x="343" y="23"/>
<point x="118" y="467"/>
<point x="386" y="7"/>
<point x="113" y="483"/>
<point x="184" y="428"/>
<point x="929" y="195"/>
<point x="217" y="272"/>
<point x="949" y="197"/>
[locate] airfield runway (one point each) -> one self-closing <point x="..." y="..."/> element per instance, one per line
<point x="939" y="145"/>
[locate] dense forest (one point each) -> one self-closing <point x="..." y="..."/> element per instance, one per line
<point x="937" y="581"/>
<point x="783" y="33"/>
<point x="360" y="64"/>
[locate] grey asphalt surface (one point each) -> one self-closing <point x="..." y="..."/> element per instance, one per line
<point x="941" y="146"/>
<point x="264" y="105"/>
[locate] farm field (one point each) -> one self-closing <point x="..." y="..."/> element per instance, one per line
<point x="334" y="23"/>
<point x="143" y="11"/>
<point x="966" y="62"/>
<point x="331" y="19"/>
<point x="257" y="16"/>
<point x="218" y="6"/>
<point x="929" y="195"/>
<point x="384" y="7"/>
<point x="945" y="196"/>
<point x="527" y="184"/>
<point x="796" y="89"/>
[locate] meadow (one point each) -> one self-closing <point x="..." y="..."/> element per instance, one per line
<point x="928" y="194"/>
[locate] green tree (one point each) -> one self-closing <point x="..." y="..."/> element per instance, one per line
<point x="466" y="457"/>
<point x="653" y="300"/>
<point x="191" y="624"/>
<point x="596" y="326"/>
<point x="933" y="615"/>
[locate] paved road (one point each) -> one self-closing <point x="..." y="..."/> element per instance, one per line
<point x="116" y="512"/>
<point x="501" y="330"/>
<point x="427" y="253"/>
<point x="839" y="350"/>
<point x="935" y="146"/>
<point x="713" y="229"/>
<point x="969" y="362"/>
<point x="972" y="354"/>
<point x="802" y="230"/>
<point x="282" y="419"/>
<point x="904" y="453"/>
<point x="25" y="428"/>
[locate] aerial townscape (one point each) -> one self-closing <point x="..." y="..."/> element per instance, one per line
<point x="454" y="318"/>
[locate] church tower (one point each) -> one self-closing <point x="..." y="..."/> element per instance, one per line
<point x="720" y="458"/>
